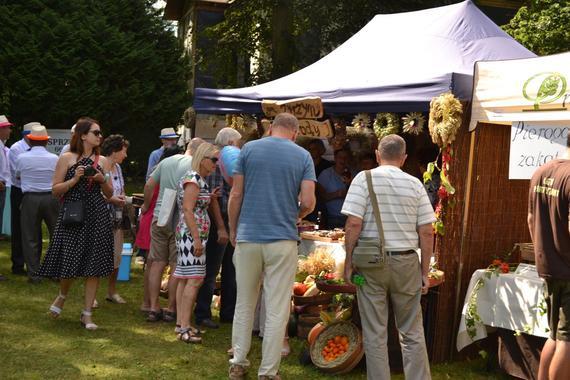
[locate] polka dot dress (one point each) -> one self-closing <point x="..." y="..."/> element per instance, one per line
<point x="86" y="250"/>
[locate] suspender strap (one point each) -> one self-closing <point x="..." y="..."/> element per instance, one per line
<point x="376" y="211"/>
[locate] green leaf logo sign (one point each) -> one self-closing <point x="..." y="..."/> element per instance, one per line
<point x="544" y="88"/>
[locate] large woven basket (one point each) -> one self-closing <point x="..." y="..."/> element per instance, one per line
<point x="345" y="362"/>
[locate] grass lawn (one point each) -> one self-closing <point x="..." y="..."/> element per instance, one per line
<point x="34" y="346"/>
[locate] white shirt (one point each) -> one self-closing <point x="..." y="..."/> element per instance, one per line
<point x="4" y="165"/>
<point x="35" y="169"/>
<point x="65" y="149"/>
<point x="403" y="203"/>
<point x="16" y="149"/>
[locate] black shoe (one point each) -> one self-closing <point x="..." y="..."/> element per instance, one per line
<point x="35" y="280"/>
<point x="168" y="316"/>
<point x="208" y="323"/>
<point x="19" y="272"/>
<point x="154" y="316"/>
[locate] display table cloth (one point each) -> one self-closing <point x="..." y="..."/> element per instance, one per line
<point x="509" y="301"/>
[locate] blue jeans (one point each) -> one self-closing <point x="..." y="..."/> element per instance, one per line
<point x="215" y="256"/>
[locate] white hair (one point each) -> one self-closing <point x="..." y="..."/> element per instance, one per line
<point x="226" y="136"/>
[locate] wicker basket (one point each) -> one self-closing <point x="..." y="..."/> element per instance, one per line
<point x="336" y="288"/>
<point x="526" y="252"/>
<point x="345" y="362"/>
<point x="319" y="299"/>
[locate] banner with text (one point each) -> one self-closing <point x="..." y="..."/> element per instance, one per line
<point x="58" y="138"/>
<point x="534" y="144"/>
<point x="532" y="89"/>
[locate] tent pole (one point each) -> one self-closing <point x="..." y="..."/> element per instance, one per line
<point x="456" y="315"/>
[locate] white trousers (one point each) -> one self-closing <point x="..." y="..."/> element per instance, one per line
<point x="277" y="263"/>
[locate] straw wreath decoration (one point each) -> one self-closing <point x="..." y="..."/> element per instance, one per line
<point x="386" y="123"/>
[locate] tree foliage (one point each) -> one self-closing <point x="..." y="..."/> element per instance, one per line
<point x="114" y="60"/>
<point x="542" y="26"/>
<point x="255" y="28"/>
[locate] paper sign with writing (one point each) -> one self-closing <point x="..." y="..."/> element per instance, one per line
<point x="533" y="145"/>
<point x="309" y="128"/>
<point x="58" y="139"/>
<point x="302" y="108"/>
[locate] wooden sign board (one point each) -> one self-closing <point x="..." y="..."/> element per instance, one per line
<point x="301" y="108"/>
<point x="309" y="128"/>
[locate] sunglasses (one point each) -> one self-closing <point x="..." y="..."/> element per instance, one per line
<point x="213" y="159"/>
<point x="97" y="133"/>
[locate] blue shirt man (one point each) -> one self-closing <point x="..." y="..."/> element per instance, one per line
<point x="273" y="186"/>
<point x="168" y="137"/>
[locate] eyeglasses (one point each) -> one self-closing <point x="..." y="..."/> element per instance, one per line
<point x="96" y="132"/>
<point x="213" y="159"/>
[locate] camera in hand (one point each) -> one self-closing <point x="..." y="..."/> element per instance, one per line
<point x="90" y="171"/>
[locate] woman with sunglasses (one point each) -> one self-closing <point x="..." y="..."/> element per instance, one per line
<point x="83" y="249"/>
<point x="192" y="231"/>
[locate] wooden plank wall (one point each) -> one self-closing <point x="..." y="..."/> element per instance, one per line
<point x="496" y="220"/>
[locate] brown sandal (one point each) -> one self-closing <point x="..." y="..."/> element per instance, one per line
<point x="188" y="336"/>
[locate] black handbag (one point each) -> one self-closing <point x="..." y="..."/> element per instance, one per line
<point x="74" y="213"/>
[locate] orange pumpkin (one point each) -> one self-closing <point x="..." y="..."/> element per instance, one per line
<point x="315" y="331"/>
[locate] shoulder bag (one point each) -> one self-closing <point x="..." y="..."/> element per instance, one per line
<point x="370" y="252"/>
<point x="74" y="211"/>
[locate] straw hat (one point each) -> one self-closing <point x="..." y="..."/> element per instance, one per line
<point x="28" y="127"/>
<point x="168" y="133"/>
<point x="4" y="122"/>
<point x="38" y="133"/>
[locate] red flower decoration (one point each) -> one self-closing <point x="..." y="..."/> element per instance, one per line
<point x="442" y="193"/>
<point x="504" y="268"/>
<point x="497" y="262"/>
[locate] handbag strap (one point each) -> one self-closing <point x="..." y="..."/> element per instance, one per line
<point x="95" y="163"/>
<point x="376" y="210"/>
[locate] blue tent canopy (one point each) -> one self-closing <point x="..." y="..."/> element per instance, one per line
<point x="397" y="62"/>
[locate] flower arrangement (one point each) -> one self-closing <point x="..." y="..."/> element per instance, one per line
<point x="361" y="121"/>
<point x="413" y="123"/>
<point x="444" y="118"/>
<point x="385" y="124"/>
<point x="318" y="262"/>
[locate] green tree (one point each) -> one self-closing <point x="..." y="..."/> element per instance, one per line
<point x="114" y="60"/>
<point x="542" y="26"/>
<point x="287" y="35"/>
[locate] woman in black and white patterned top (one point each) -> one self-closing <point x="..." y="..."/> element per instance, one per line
<point x="114" y="148"/>
<point x="86" y="249"/>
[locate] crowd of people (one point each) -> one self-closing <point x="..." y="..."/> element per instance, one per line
<point x="207" y="209"/>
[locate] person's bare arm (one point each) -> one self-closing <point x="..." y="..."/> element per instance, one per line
<point x="530" y="221"/>
<point x="148" y="192"/>
<point x="234" y="206"/>
<point x="425" y="232"/>
<point x="216" y="212"/>
<point x="59" y="186"/>
<point x="191" y="192"/>
<point x="307" y="198"/>
<point x="352" y="229"/>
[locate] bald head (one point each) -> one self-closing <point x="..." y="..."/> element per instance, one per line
<point x="392" y="148"/>
<point x="193" y="145"/>
<point x="286" y="121"/>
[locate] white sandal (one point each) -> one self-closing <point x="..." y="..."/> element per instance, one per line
<point x="55" y="311"/>
<point x="90" y="325"/>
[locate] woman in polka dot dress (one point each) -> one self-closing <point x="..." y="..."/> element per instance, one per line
<point x="85" y="250"/>
<point x="194" y="199"/>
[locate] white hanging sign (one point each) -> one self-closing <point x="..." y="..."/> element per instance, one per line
<point x="535" y="143"/>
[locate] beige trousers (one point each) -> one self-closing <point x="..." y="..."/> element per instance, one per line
<point x="277" y="262"/>
<point x="399" y="279"/>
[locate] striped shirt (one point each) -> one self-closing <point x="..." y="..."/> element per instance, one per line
<point x="403" y="203"/>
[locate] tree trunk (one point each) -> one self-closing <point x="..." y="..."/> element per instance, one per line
<point x="283" y="45"/>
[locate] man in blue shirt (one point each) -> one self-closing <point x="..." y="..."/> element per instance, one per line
<point x="168" y="137"/>
<point x="273" y="186"/>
